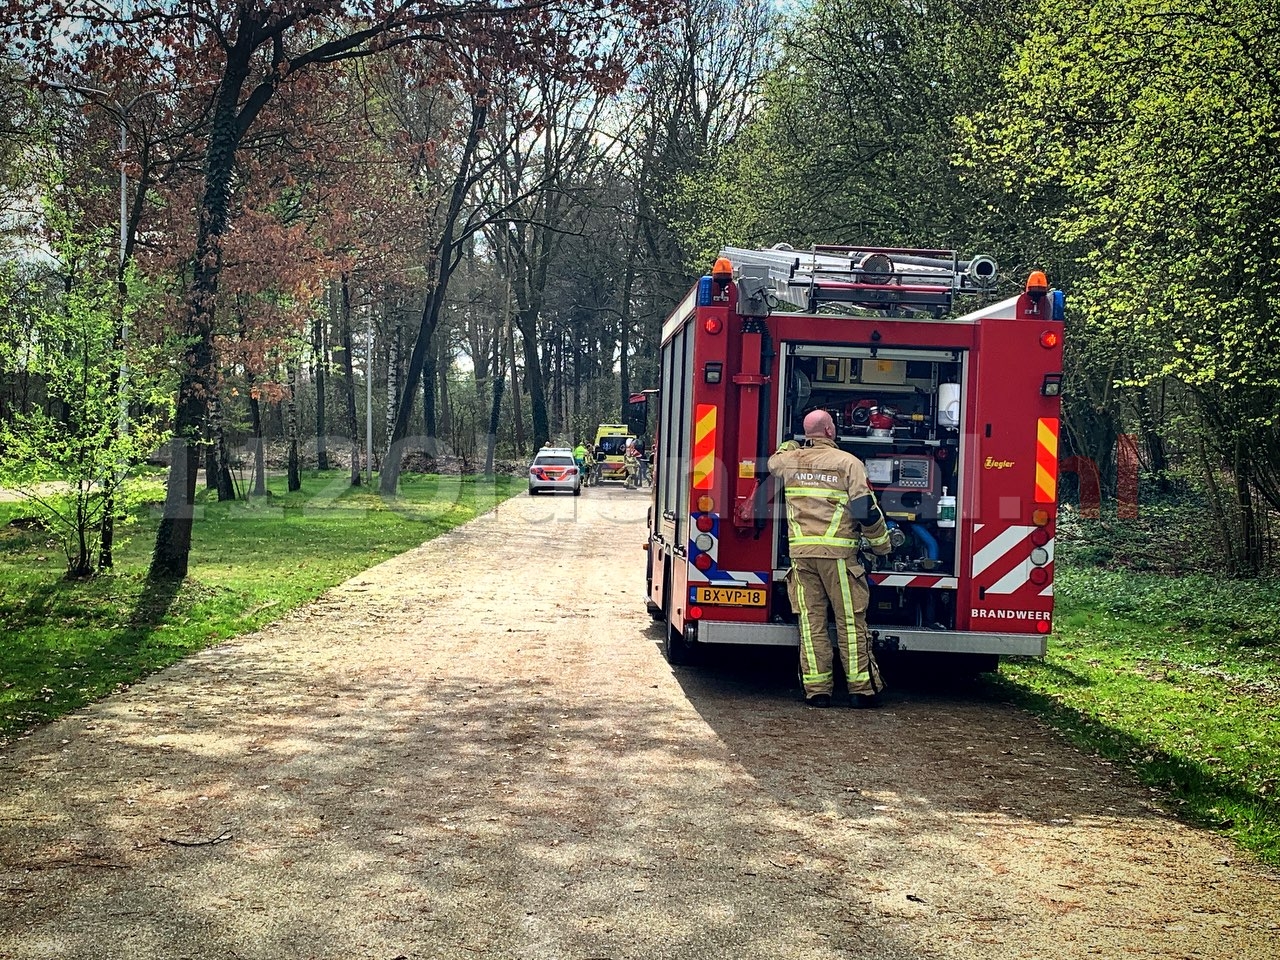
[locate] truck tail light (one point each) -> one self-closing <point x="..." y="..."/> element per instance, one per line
<point x="703" y="562"/>
<point x="1050" y="339"/>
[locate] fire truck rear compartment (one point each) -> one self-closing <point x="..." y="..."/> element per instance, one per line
<point x="900" y="412"/>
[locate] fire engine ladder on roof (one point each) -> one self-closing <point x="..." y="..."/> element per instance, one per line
<point x="890" y="279"/>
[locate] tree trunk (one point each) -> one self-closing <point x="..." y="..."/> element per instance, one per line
<point x="80" y="566"/>
<point x="576" y="411"/>
<point x="443" y="360"/>
<point x="291" y="429"/>
<point x="528" y="323"/>
<point x="389" y="477"/>
<point x="222" y="481"/>
<point x="1249" y="548"/>
<point x="348" y="377"/>
<point x="1152" y="441"/>
<point x="517" y="406"/>
<point x="429" y="419"/>
<point x="107" y="535"/>
<point x="197" y="376"/>
<point x="120" y="385"/>
<point x="624" y="336"/>
<point x="259" y="454"/>
<point x="1215" y="496"/>
<point x="495" y="407"/>
<point x="321" y="373"/>
<point x="393" y="379"/>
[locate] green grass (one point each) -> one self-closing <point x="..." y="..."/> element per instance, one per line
<point x="1159" y="661"/>
<point x="1178" y="677"/>
<point x="64" y="644"/>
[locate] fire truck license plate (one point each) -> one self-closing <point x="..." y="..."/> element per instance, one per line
<point x="729" y="596"/>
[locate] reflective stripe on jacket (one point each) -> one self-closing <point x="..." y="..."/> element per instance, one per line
<point x="821" y="481"/>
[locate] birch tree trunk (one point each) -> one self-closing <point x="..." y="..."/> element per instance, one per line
<point x="259" y="454"/>
<point x="348" y="375"/>
<point x="393" y="388"/>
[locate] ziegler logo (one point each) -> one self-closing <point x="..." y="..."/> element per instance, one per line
<point x="991" y="614"/>
<point x="993" y="464"/>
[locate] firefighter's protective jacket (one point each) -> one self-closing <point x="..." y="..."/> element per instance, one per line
<point x="830" y="504"/>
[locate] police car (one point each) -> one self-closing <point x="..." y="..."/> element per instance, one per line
<point x="554" y="469"/>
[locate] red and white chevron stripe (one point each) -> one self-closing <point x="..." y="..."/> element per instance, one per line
<point x="1002" y="559"/>
<point x="913" y="580"/>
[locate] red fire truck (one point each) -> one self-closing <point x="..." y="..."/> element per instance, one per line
<point x="954" y="414"/>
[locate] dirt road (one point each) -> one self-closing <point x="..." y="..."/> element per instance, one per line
<point x="477" y="750"/>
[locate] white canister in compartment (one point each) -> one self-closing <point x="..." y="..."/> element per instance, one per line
<point x="946" y="509"/>
<point x="949" y="405"/>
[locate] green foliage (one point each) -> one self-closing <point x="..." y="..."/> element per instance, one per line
<point x="857" y="137"/>
<point x="1146" y="133"/>
<point x="1157" y="124"/>
<point x="66" y="643"/>
<point x="70" y="457"/>
<point x="1172" y="534"/>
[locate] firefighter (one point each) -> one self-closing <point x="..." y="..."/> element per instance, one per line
<point x="632" y="465"/>
<point x="642" y="462"/>
<point x="830" y="506"/>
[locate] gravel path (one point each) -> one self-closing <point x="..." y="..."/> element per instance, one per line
<point x="477" y="750"/>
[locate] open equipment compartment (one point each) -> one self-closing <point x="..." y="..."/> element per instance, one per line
<point x="899" y="410"/>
